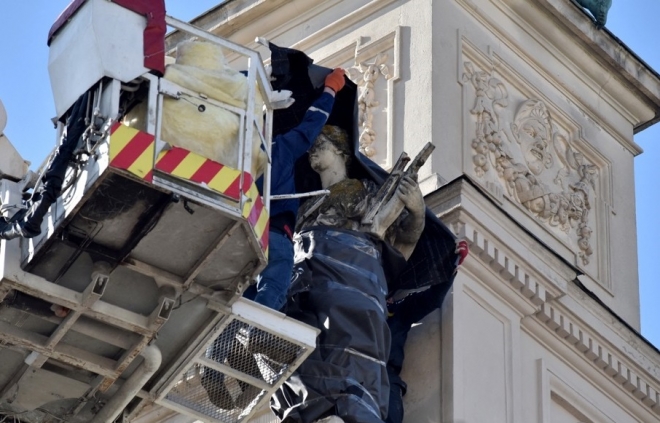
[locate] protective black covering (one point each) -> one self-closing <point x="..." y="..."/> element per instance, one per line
<point x="294" y="71"/>
<point x="339" y="287"/>
<point x="434" y="261"/>
<point x="341" y="277"/>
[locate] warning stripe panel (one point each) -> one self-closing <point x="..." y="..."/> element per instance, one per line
<point x="224" y="179"/>
<point x="193" y="167"/>
<point x="131" y="150"/>
<point x="189" y="166"/>
<point x="143" y="165"/>
<point x="134" y="151"/>
<point x="119" y="139"/>
<point x="233" y="190"/>
<point x="206" y="172"/>
<point x="261" y="227"/>
<point x="170" y="159"/>
<point x="257" y="216"/>
<point x="264" y="238"/>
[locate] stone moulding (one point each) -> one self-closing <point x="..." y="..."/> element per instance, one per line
<point x="609" y="48"/>
<point x="509" y="269"/>
<point x="517" y="276"/>
<point x="365" y="75"/>
<point x="506" y="14"/>
<point x="539" y="288"/>
<point x="604" y="358"/>
<point x="525" y="147"/>
<point x="341" y="24"/>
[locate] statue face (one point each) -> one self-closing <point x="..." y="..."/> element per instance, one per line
<point x="324" y="155"/>
<point x="534" y="145"/>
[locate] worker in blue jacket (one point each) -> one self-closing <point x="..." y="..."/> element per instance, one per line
<point x="273" y="283"/>
<point x="274" y="280"/>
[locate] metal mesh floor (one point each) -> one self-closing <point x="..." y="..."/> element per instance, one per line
<point x="236" y="373"/>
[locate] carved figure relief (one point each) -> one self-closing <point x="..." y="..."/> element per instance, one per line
<point x="532" y="158"/>
<point x="365" y="75"/>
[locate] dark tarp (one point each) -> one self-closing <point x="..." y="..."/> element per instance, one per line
<point x="434" y="260"/>
<point x="340" y="287"/>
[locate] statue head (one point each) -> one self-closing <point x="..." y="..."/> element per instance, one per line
<point x="330" y="150"/>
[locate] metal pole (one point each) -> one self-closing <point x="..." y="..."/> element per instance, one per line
<point x="133" y="385"/>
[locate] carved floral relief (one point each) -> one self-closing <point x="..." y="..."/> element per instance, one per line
<point x="532" y="158"/>
<point x="365" y="75"/>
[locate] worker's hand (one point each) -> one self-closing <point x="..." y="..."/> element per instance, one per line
<point x="336" y="80"/>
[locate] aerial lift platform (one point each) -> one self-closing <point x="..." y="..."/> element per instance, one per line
<point x="131" y="295"/>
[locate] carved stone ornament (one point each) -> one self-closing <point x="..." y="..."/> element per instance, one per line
<point x="533" y="160"/>
<point x="365" y="75"/>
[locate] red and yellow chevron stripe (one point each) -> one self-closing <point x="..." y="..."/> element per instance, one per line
<point x="256" y="215"/>
<point x="133" y="150"/>
<point x="193" y="167"/>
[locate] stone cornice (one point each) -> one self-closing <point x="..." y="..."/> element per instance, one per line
<point x="345" y="22"/>
<point x="588" y="70"/>
<point x="609" y="48"/>
<point x="560" y="309"/>
<point x="228" y="17"/>
<point x="469" y="212"/>
<point x="633" y="373"/>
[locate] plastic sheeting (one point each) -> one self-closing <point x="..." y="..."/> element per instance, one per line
<point x="434" y="260"/>
<point x="339" y="287"/>
<point x="199" y="126"/>
<point x="329" y="295"/>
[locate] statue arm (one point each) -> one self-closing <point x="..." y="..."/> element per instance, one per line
<point x="409" y="229"/>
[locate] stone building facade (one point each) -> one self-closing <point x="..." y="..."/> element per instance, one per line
<point x="533" y="112"/>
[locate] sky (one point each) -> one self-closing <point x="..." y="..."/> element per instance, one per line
<point x="25" y="92"/>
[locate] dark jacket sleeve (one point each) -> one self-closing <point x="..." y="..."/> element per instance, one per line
<point x="297" y="141"/>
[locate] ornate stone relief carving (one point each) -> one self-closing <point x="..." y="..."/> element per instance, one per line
<point x="533" y="158"/>
<point x="372" y="62"/>
<point x="365" y="74"/>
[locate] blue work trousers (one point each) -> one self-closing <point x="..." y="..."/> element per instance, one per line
<point x="274" y="280"/>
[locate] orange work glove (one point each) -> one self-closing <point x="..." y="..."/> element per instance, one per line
<point x="335" y="81"/>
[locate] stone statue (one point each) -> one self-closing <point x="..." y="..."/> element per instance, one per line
<point x="349" y="199"/>
<point x="340" y="285"/>
<point x="598" y="9"/>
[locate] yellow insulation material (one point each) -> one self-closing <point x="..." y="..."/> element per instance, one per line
<point x="199" y="126"/>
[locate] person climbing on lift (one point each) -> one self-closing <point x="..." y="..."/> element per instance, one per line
<point x="271" y="288"/>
